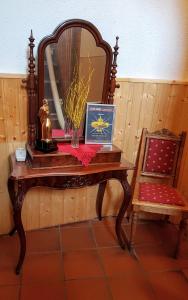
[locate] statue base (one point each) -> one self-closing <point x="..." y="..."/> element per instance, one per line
<point x="46" y="147"/>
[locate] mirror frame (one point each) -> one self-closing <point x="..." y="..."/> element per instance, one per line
<point x="35" y="83"/>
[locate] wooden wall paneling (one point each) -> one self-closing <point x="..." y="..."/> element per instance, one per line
<point x="14" y="100"/>
<point x="131" y="127"/>
<point x="122" y="120"/>
<point x="91" y="194"/>
<point x="183" y="125"/>
<point x="147" y="107"/>
<point x="80" y="206"/>
<point x="175" y="109"/>
<point x="11" y="146"/>
<point x="71" y="199"/>
<point x="112" y="198"/>
<point x="45" y="206"/>
<point x="57" y="198"/>
<point x="23" y="112"/>
<point x="145" y="113"/>
<point x="11" y="105"/>
<point x="123" y="101"/>
<point x="42" y="208"/>
<point x="5" y="204"/>
<point x="121" y="115"/>
<point x="31" y="209"/>
<point x="4" y="167"/>
<point x="183" y="179"/>
<point x="2" y="114"/>
<point x="128" y="119"/>
<point x="161" y="106"/>
<point x="140" y="103"/>
<point x="6" y="221"/>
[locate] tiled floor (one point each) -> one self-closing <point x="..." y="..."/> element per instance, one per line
<point x="84" y="262"/>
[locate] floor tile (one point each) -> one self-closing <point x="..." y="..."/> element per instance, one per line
<point x="156" y="259"/>
<point x="183" y="254"/>
<point x="9" y="244"/>
<point x="76" y="238"/>
<point x="48" y="291"/>
<point x="131" y="286"/>
<point x="93" y="266"/>
<point x="105" y="235"/>
<point x="42" y="268"/>
<point x="168" y="233"/>
<point x="184" y="248"/>
<point x="185" y="272"/>
<point x="182" y="262"/>
<point x="82" y="264"/>
<point x="87" y="289"/>
<point x="9" y="292"/>
<point x="118" y="262"/>
<point x="169" y="285"/>
<point x="43" y="240"/>
<point x="146" y="233"/>
<point x="7" y="270"/>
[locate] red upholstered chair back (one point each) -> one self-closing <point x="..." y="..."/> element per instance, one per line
<point x="162" y="152"/>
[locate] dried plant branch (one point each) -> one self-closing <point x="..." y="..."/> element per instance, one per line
<point x="76" y="96"/>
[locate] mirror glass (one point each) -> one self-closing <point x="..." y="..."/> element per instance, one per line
<point x="74" y="68"/>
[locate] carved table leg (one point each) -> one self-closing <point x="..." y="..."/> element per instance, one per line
<point x="21" y="234"/>
<point x="16" y="192"/>
<point x="100" y="195"/>
<point x="12" y="198"/>
<point x="126" y="200"/>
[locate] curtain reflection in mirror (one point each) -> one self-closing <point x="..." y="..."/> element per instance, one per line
<point x="56" y="99"/>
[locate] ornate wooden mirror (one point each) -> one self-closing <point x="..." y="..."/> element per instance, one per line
<point x="75" y="54"/>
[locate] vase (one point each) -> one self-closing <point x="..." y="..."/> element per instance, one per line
<point x="67" y="128"/>
<point x="75" y="138"/>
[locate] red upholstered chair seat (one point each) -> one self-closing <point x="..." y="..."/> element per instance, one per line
<point x="159" y="193"/>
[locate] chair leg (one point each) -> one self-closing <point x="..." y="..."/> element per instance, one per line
<point x="182" y="227"/>
<point x="133" y="231"/>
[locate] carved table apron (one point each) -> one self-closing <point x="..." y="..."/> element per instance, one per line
<point x="23" y="178"/>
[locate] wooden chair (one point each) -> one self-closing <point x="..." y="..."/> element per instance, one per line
<point x="155" y="180"/>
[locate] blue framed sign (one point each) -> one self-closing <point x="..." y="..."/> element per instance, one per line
<point x="99" y="123"/>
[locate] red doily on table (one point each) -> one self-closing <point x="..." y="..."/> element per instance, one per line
<point x="84" y="153"/>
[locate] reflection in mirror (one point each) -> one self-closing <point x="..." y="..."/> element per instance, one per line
<point x="74" y="71"/>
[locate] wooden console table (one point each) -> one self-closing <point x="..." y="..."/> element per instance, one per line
<point x="23" y="177"/>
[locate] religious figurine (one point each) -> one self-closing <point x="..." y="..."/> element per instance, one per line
<point x="46" y="143"/>
<point x="45" y="122"/>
